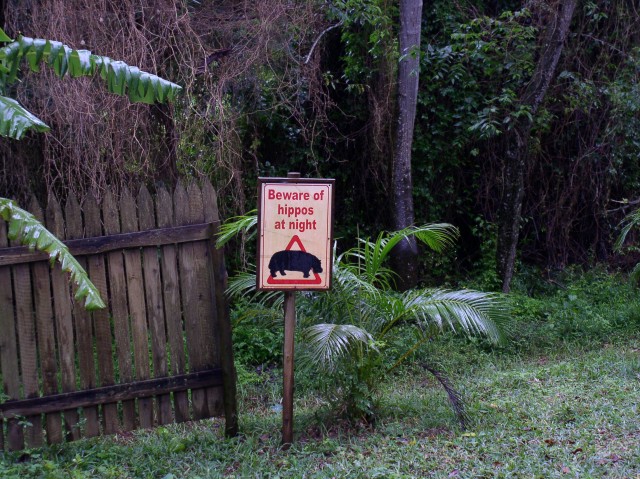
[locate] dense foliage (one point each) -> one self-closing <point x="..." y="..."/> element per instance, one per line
<point x="272" y="87"/>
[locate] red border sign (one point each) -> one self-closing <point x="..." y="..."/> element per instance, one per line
<point x="296" y="233"/>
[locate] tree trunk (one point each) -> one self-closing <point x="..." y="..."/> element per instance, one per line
<point x="517" y="141"/>
<point x="405" y="254"/>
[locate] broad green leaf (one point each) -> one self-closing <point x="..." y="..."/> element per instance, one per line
<point x="35" y="54"/>
<point x="120" y="78"/>
<point x="15" y="121"/>
<point x="24" y="227"/>
<point x="4" y="38"/>
<point x="80" y="63"/>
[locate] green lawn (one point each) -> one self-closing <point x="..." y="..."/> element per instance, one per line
<point x="560" y="399"/>
<point x="573" y="413"/>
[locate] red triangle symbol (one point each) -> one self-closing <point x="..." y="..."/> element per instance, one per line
<point x="315" y="280"/>
<point x="295" y="239"/>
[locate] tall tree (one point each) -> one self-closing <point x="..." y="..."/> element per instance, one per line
<point x="517" y="141"/>
<point x="406" y="252"/>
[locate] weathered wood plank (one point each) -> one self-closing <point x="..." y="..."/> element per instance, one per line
<point x="172" y="307"/>
<point x="26" y="328"/>
<point x="101" y="322"/>
<point x="8" y="347"/>
<point x="155" y="308"/>
<point x="137" y="309"/>
<point x="206" y="319"/>
<point x="191" y="257"/>
<point x="119" y="310"/>
<point x="46" y="335"/>
<point x="82" y="324"/>
<point x="105" y="244"/>
<point x="211" y="321"/>
<point x="118" y="392"/>
<point x="63" y="319"/>
<point x="223" y="336"/>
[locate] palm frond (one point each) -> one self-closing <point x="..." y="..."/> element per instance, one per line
<point x="631" y="221"/>
<point x="455" y="398"/>
<point x="4" y="38"/>
<point x="369" y="257"/>
<point x="436" y="236"/>
<point x="634" y="276"/>
<point x="350" y="278"/>
<point x="243" y="285"/>
<point x="236" y="225"/>
<point x="472" y="312"/>
<point x="328" y="344"/>
<point x="24" y="227"/>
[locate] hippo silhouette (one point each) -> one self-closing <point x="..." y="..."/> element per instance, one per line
<point x="294" y="261"/>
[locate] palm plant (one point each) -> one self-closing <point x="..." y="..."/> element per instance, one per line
<point x="631" y="221"/>
<point x="348" y="331"/>
<point x="352" y="328"/>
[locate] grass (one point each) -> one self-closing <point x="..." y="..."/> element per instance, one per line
<point x="554" y="406"/>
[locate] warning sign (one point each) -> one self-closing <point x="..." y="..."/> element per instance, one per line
<point x="295" y="224"/>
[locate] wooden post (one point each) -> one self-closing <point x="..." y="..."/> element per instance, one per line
<point x="287" y="373"/>
<point x="287" y="366"/>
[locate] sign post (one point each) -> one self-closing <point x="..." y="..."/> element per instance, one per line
<point x="287" y="367"/>
<point x="294" y="253"/>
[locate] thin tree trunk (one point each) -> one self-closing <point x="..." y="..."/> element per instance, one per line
<point x="517" y="143"/>
<point x="405" y="255"/>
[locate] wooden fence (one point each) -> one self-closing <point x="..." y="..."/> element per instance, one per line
<point x="160" y="352"/>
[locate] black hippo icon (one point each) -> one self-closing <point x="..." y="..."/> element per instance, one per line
<point x="294" y="261"/>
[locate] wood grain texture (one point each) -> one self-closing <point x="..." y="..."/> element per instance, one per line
<point x="191" y="291"/>
<point x="45" y="331"/>
<point x="63" y="319"/>
<point x="9" y="347"/>
<point x="155" y="307"/>
<point x="118" y="392"/>
<point x="25" y="325"/>
<point x="82" y="325"/>
<point x="101" y="322"/>
<point x="119" y="307"/>
<point x="155" y="264"/>
<point x="137" y="308"/>
<point x="107" y="243"/>
<point x="218" y="274"/>
<point x="172" y="304"/>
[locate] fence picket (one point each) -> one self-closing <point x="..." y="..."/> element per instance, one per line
<point x="137" y="310"/>
<point x="46" y="335"/>
<point x="210" y="214"/>
<point x="205" y="348"/>
<point x="26" y="346"/>
<point x="190" y="291"/>
<point x="8" y="348"/>
<point x="119" y="311"/>
<point x="63" y="320"/>
<point x="101" y="322"/>
<point x="82" y="324"/>
<point x="155" y="310"/>
<point x="171" y="295"/>
<point x="223" y="334"/>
